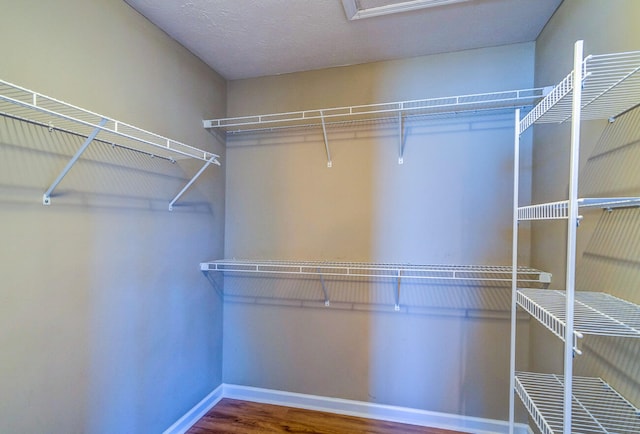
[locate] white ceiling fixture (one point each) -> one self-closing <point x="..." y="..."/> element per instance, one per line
<point x="358" y="9"/>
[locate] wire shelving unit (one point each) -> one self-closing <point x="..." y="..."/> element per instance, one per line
<point x="19" y="103"/>
<point x="476" y="273"/>
<point x="599" y="87"/>
<point x="397" y="112"/>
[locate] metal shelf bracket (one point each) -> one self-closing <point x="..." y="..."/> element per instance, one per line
<point x="401" y="138"/>
<point x="327" y="302"/>
<point x="46" y="197"/>
<point x="213" y="160"/>
<point x="397" y="294"/>
<point x="326" y="141"/>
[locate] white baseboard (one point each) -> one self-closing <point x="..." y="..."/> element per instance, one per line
<point x="345" y="406"/>
<point x="183" y="424"/>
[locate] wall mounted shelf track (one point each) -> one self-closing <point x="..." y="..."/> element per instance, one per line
<point x="599" y="87"/>
<point x="397" y="112"/>
<point x="476" y="273"/>
<point x="26" y="105"/>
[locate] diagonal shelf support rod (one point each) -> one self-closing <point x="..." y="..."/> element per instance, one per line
<point x="397" y="293"/>
<point x="46" y="197"/>
<point x="326" y="141"/>
<point x="196" y="176"/>
<point x="400" y="138"/>
<point x="324" y="290"/>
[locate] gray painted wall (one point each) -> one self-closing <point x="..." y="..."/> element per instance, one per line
<point x="608" y="243"/>
<point x="450" y="202"/>
<point x="106" y="324"/>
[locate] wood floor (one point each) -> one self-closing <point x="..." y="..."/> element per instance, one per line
<point x="231" y="416"/>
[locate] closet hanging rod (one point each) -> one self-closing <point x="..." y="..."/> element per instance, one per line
<point x="430" y="106"/>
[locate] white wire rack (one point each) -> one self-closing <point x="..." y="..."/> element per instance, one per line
<point x="26" y="105"/>
<point x="431" y="106"/>
<point x="596" y="313"/>
<point x="596" y="407"/>
<point x="599" y="87"/>
<point x="610" y="87"/>
<point x="397" y="272"/>
<point x="385" y="270"/>
<point x="560" y="209"/>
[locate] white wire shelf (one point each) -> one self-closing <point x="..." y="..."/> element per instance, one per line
<point x="611" y="86"/>
<point x="382" y="270"/>
<point x="560" y="209"/>
<point x="25" y="105"/>
<point x="596" y="407"/>
<point x="368" y="112"/>
<point x="596" y="313"/>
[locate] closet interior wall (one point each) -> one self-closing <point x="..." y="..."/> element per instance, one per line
<point x="448" y="203"/>
<point x="608" y="243"/>
<point x="106" y="324"/>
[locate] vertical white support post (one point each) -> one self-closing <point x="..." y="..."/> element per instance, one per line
<point x="196" y="176"/>
<point x="514" y="273"/>
<point x="572" y="229"/>
<point x="46" y="197"/>
<point x="326" y="141"/>
<point x="400" y="139"/>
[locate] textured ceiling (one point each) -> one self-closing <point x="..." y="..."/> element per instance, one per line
<point x="252" y="38"/>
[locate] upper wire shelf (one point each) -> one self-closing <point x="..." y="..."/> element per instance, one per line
<point x="368" y="112"/>
<point x="27" y="105"/>
<point x="386" y="270"/>
<point x="610" y="87"/>
<point x="596" y="406"/>
<point x="560" y="209"/>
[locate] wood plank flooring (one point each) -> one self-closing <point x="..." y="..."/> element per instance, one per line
<point x="232" y="416"/>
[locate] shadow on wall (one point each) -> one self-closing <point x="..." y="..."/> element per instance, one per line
<point x="610" y="261"/>
<point x="106" y="176"/>
<point x="449" y="202"/>
<point x="611" y="264"/>
<point x="426" y="297"/>
<point x="102" y="304"/>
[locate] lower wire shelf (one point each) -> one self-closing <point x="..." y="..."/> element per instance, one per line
<point x="596" y="313"/>
<point x="488" y="275"/>
<point x="596" y="407"/>
<point x="393" y="270"/>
